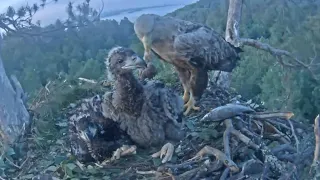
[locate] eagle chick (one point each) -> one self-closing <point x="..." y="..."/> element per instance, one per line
<point x="149" y="114"/>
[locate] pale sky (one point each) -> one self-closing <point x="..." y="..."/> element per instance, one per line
<point x="58" y="10"/>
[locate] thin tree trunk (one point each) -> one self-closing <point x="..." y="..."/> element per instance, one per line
<point x="233" y="21"/>
<point x="231" y="36"/>
<point x="14" y="117"/>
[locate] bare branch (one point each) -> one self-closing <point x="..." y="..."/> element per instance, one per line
<point x="294" y="135"/>
<point x="317" y="137"/>
<point x="232" y="36"/>
<point x="46" y="86"/>
<point x="88" y="80"/>
<point x="234" y="16"/>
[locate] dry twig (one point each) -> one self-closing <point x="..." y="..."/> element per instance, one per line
<point x="47" y="85"/>
<point x="267" y="115"/>
<point x="241" y="136"/>
<point x="294" y="135"/>
<point x="88" y="80"/>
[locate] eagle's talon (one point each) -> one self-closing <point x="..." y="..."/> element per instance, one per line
<point x="186" y="97"/>
<point x="166" y="151"/>
<point x="190" y="105"/>
<point x="123" y="151"/>
<point x="186" y="112"/>
<point x="147" y="56"/>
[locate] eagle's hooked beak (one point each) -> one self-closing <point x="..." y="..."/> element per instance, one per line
<point x="134" y="62"/>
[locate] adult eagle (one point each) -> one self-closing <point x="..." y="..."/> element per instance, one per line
<point x="192" y="48"/>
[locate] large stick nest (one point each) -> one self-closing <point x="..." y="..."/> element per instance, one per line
<point x="230" y="138"/>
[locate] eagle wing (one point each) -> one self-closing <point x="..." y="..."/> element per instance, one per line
<point x="204" y="48"/>
<point x="165" y="99"/>
<point x="168" y="105"/>
<point x="93" y="137"/>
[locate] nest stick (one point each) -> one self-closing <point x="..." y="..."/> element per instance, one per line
<point x="237" y="133"/>
<point x="224" y="175"/>
<point x="148" y="172"/>
<point x="283" y="147"/>
<point x="266" y="169"/>
<point x="244" y="139"/>
<point x="282" y="136"/>
<point x="189" y="173"/>
<point x="267" y="115"/>
<point x="226" y="138"/>
<point x="273" y="117"/>
<point x="88" y="80"/>
<point x="294" y="135"/>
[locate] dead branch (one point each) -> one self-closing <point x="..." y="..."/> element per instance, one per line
<point x="189" y="173"/>
<point x="294" y="135"/>
<point x="18" y="88"/>
<point x="241" y="136"/>
<point x="225" y="174"/>
<point x="278" y="118"/>
<point x="282" y="137"/>
<point x="249" y="167"/>
<point x="232" y="36"/>
<point x="46" y="86"/>
<point x="226" y="137"/>
<point x="243" y="129"/>
<point x="148" y="172"/>
<point x="183" y="165"/>
<point x="16" y="166"/>
<point x="317" y="139"/>
<point x="283" y="147"/>
<point x="88" y="80"/>
<point x="268" y="115"/>
<point x="265" y="172"/>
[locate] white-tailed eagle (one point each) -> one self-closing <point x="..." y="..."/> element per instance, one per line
<point x="193" y="49"/>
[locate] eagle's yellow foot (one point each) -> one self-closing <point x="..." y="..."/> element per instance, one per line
<point x="122" y="151"/>
<point x="166" y="151"/>
<point x="190" y="105"/>
<point x="147" y="56"/>
<point x="208" y="150"/>
<point x="185" y="96"/>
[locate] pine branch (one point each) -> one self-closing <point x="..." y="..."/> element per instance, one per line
<point x="19" y="23"/>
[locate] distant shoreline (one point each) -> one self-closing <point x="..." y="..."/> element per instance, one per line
<point x="133" y="10"/>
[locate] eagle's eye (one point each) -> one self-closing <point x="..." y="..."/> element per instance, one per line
<point x="120" y="61"/>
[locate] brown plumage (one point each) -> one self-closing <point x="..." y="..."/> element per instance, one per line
<point x="92" y="136"/>
<point x="145" y="114"/>
<point x="192" y="48"/>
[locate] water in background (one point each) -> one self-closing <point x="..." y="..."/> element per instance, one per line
<point x="132" y="16"/>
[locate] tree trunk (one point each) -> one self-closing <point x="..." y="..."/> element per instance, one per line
<point x="233" y="21"/>
<point x="14" y="117"/>
<point x="231" y="36"/>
